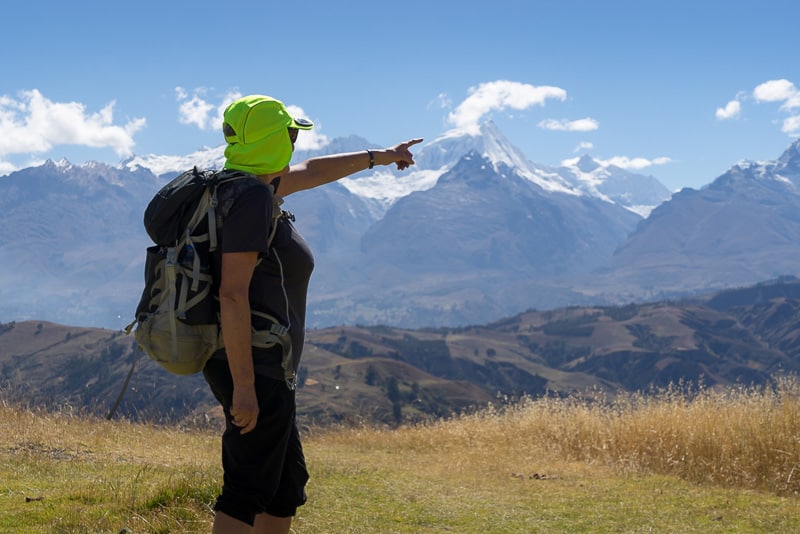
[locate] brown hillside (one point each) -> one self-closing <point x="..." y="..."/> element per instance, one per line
<point x="384" y="374"/>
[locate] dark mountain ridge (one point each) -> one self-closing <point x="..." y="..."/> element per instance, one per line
<point x="746" y="336"/>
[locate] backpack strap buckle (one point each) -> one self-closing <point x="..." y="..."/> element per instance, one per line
<point x="277" y="334"/>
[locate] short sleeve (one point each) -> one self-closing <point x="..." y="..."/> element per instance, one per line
<point x="247" y="224"/>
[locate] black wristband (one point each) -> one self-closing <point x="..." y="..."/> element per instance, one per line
<point x="371" y="159"/>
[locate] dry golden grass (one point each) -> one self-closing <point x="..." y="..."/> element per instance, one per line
<point x="671" y="461"/>
<point x="742" y="437"/>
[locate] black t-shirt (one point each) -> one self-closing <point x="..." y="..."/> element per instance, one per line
<point x="279" y="286"/>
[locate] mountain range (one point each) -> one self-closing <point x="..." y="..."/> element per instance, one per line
<point x="741" y="228"/>
<point x="475" y="232"/>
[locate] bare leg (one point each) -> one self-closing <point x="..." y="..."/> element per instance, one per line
<point x="225" y="524"/>
<point x="269" y="524"/>
<point x="264" y="524"/>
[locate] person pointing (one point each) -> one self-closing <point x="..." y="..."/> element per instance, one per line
<point x="263" y="284"/>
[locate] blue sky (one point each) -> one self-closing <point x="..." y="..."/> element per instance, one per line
<point x="681" y="90"/>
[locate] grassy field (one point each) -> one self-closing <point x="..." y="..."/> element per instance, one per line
<point x="671" y="461"/>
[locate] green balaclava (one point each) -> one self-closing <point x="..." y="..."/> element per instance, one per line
<point x="255" y="129"/>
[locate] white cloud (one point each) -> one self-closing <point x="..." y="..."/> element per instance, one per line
<point x="565" y="125"/>
<point x="788" y="95"/>
<point x="32" y="123"/>
<point x="498" y="96"/>
<point x="195" y="109"/>
<point x="731" y="110"/>
<point x="778" y="91"/>
<point x="791" y="126"/>
<point x="623" y="162"/>
<point x="635" y="164"/>
<point x="584" y="145"/>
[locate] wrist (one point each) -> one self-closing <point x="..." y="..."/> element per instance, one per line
<point x="371" y="159"/>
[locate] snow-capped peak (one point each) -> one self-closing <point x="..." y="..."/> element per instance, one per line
<point x="441" y="154"/>
<point x="487" y="140"/>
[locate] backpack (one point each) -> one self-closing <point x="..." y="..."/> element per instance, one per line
<point x="177" y="318"/>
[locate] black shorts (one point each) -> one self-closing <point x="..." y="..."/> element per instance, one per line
<point x="264" y="471"/>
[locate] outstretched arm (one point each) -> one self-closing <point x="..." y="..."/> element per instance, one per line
<point x="325" y="169"/>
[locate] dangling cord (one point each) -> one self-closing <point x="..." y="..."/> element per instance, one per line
<point x="125" y="385"/>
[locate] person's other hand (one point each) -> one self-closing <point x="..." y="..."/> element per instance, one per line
<point x="244" y="411"/>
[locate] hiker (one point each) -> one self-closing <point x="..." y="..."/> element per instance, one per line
<point x="262" y="458"/>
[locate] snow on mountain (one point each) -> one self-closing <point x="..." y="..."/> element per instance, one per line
<point x="785" y="170"/>
<point x="440" y="155"/>
<point x="638" y="193"/>
<point x="580" y="177"/>
<point x="89" y="177"/>
<point x="444" y="151"/>
<point x="387" y="187"/>
<point x="384" y="186"/>
<point x="207" y="158"/>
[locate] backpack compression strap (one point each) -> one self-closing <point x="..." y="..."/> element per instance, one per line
<point x="276" y="335"/>
<point x="169" y="267"/>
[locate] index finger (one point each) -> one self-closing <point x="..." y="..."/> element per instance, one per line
<point x="413" y="142"/>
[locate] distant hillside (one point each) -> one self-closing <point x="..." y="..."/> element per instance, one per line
<point x="383" y="374"/>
